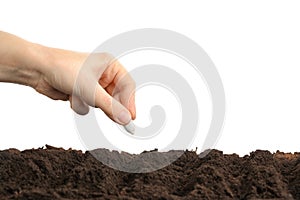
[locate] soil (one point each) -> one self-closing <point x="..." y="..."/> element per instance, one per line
<point x="55" y="173"/>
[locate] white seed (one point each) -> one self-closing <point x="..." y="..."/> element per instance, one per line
<point x="130" y="127"/>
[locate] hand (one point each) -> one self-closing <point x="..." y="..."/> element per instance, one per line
<point x="96" y="80"/>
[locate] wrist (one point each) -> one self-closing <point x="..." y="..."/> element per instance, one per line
<point x="59" y="67"/>
<point x="50" y="63"/>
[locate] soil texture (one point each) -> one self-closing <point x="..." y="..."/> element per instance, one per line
<point x="55" y="173"/>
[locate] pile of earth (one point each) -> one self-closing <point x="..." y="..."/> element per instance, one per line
<point x="55" y="173"/>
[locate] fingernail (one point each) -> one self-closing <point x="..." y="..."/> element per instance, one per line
<point x="124" y="117"/>
<point x="130" y="127"/>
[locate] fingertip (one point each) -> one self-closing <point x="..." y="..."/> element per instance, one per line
<point x="82" y="110"/>
<point x="133" y="113"/>
<point x="78" y="106"/>
<point x="124" y="117"/>
<point x="132" y="108"/>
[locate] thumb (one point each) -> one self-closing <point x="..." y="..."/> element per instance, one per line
<point x="111" y="107"/>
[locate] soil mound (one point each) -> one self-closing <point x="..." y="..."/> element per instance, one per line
<point x="55" y="173"/>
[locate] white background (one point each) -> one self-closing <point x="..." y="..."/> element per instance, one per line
<point x="255" y="46"/>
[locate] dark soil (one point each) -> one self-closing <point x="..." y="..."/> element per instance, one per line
<point x="54" y="173"/>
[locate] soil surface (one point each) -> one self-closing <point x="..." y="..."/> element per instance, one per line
<point x="54" y="173"/>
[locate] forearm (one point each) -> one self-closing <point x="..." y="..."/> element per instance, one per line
<point x="16" y="63"/>
<point x="23" y="62"/>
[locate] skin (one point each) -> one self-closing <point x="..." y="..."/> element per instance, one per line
<point x="97" y="79"/>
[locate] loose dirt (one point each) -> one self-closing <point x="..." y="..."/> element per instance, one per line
<point x="55" y="173"/>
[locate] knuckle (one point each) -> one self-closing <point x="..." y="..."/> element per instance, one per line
<point x="108" y="57"/>
<point x="107" y="102"/>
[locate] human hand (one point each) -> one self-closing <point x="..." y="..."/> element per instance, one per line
<point x="97" y="80"/>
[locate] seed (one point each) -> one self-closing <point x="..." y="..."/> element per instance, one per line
<point x="130" y="127"/>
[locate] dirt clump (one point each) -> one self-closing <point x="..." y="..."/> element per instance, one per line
<point x="55" y="173"/>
